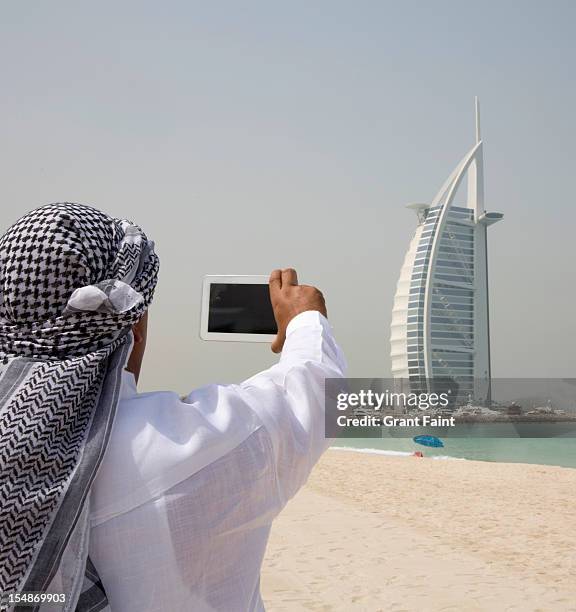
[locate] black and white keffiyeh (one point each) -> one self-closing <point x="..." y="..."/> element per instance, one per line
<point x="72" y="283"/>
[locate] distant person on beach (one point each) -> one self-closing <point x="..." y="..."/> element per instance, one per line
<point x="115" y="500"/>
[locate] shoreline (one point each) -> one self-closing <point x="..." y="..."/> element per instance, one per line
<point x="376" y="532"/>
<point x="395" y="453"/>
<point x="391" y="453"/>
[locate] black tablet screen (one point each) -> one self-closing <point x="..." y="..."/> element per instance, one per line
<point x="240" y="309"/>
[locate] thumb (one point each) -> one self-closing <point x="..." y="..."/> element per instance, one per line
<point x="278" y="342"/>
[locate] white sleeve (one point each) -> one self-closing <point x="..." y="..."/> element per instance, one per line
<point x="289" y="398"/>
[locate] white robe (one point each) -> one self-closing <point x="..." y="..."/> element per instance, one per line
<point x="182" y="505"/>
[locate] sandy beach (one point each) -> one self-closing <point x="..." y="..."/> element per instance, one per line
<point x="373" y="532"/>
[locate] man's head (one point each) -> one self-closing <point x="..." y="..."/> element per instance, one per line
<point x="73" y="280"/>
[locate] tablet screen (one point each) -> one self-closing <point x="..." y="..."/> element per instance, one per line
<point x="240" y="309"/>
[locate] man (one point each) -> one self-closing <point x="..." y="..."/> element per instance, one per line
<point x="165" y="504"/>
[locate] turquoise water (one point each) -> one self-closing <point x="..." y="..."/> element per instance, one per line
<point x="545" y="451"/>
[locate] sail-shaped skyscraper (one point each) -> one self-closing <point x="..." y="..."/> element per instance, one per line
<point x="440" y="320"/>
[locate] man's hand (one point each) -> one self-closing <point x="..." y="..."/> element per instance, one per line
<point x="290" y="299"/>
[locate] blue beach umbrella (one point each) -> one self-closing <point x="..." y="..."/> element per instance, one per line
<point x="429" y="441"/>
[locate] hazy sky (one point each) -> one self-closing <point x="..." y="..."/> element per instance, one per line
<point x="245" y="136"/>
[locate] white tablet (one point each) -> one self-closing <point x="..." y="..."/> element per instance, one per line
<point x="237" y="308"/>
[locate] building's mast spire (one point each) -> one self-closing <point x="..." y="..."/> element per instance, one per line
<point x="476" y="171"/>
<point x="477" y="105"/>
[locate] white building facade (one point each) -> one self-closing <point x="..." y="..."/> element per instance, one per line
<point x="440" y="319"/>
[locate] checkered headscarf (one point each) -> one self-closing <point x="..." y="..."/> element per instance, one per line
<point x="72" y="283"/>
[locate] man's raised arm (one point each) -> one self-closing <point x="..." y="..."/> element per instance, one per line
<point x="289" y="396"/>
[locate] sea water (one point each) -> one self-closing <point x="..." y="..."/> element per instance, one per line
<point x="545" y="451"/>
